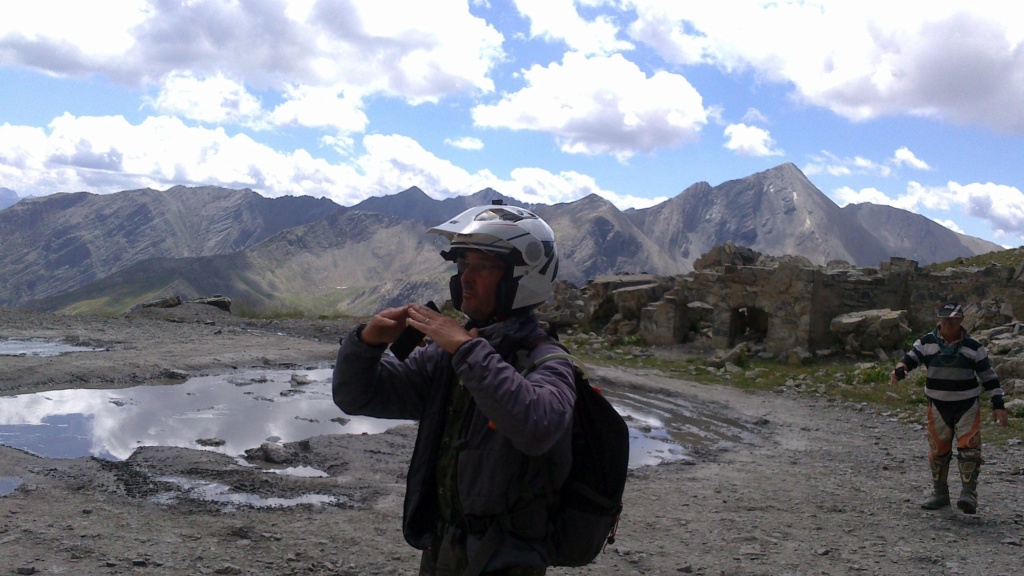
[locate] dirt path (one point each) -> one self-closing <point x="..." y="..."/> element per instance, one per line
<point x="821" y="488"/>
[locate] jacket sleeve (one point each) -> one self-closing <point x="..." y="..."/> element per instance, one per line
<point x="534" y="411"/>
<point x="367" y="383"/>
<point x="989" y="379"/>
<point x="916" y="355"/>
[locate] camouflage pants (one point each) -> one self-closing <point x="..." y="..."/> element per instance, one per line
<point x="429" y="566"/>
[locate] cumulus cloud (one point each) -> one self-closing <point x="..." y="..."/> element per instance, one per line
<point x="588" y="115"/>
<point x="535" y="185"/>
<point x="465" y="143"/>
<point x="826" y="162"/>
<point x="212" y="100"/>
<point x="861" y="60"/>
<point x="314" y="107"/>
<point x="846" y="195"/>
<point x="558" y="20"/>
<point x="951" y="225"/>
<point x="109" y="154"/>
<point x="750" y="141"/>
<point x="754" y="116"/>
<point x="904" y="157"/>
<point x="999" y="205"/>
<point x="369" y="47"/>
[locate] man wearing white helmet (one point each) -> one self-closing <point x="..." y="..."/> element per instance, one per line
<point x="491" y="442"/>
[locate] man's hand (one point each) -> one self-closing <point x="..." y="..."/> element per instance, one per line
<point x="385" y="326"/>
<point x="999" y="416"/>
<point x="444" y="331"/>
<point x="899" y="373"/>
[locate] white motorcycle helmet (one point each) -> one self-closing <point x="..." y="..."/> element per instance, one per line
<point x="514" y="235"/>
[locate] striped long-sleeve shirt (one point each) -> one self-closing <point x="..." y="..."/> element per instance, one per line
<point x="954" y="370"/>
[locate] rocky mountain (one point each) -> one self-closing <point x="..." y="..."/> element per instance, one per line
<point x="349" y="262"/>
<point x="913" y="236"/>
<point x="8" y="197"/>
<point x="314" y="256"/>
<point x="414" y="204"/>
<point x="776" y="212"/>
<point x="54" y="244"/>
<point x="596" y="238"/>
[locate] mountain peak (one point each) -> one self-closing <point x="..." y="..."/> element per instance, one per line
<point x="8" y="197"/>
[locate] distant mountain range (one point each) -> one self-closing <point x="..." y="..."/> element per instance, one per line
<point x="105" y="253"/>
<point x="8" y="197"/>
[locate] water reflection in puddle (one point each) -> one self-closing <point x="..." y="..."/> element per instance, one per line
<point x="39" y="348"/>
<point x="8" y="485"/>
<point x="213" y="492"/>
<point x="665" y="428"/>
<point x="230" y="414"/>
<point x="227" y="414"/>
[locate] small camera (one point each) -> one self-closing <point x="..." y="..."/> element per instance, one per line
<point x="409" y="339"/>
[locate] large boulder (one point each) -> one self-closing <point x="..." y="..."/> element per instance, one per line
<point x="166" y="302"/>
<point x="871" y="330"/>
<point x="217" y="301"/>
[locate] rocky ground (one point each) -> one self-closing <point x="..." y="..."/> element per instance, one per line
<point x="821" y="487"/>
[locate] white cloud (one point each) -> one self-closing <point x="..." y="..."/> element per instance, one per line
<point x="315" y="107"/>
<point x="465" y="142"/>
<point x="999" y="205"/>
<point x="754" y="116"/>
<point x="750" y="141"/>
<point x="64" y="37"/>
<point x="590" y="115"/>
<point x="559" y="20"/>
<point x="826" y="162"/>
<point x="847" y="195"/>
<point x="401" y="49"/>
<point x="109" y="154"/>
<point x="212" y="100"/>
<point x="535" y="185"/>
<point x="951" y="225"/>
<point x="904" y="157"/>
<point x="859" y="59"/>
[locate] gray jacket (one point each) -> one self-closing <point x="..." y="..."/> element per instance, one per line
<point x="515" y="418"/>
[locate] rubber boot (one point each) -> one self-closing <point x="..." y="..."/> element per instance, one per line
<point x="969" y="461"/>
<point x="940" y="474"/>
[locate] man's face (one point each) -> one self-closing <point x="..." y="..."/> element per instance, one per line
<point x="481" y="274"/>
<point x="950" y="327"/>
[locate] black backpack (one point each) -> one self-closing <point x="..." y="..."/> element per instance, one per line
<point x="587" y="506"/>
<point x="584" y="511"/>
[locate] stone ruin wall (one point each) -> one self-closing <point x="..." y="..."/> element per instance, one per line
<point x="789" y="305"/>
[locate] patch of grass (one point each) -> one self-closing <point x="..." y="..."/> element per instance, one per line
<point x="1011" y="257"/>
<point x="861" y="383"/>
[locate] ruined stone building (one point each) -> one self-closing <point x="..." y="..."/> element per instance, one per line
<point x="737" y="295"/>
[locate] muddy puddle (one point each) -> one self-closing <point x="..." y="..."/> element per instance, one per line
<point x="40" y="348"/>
<point x="233" y="413"/>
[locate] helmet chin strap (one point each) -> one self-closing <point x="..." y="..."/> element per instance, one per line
<point x="506" y="291"/>
<point x="455" y="288"/>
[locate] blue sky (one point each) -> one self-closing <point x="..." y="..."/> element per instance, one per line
<point x="916" y="105"/>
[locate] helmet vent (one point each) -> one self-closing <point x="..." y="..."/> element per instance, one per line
<point x="533" y="252"/>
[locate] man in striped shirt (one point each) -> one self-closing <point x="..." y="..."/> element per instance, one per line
<point x="958" y="372"/>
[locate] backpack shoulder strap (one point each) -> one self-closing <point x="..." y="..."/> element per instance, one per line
<point x="525" y="364"/>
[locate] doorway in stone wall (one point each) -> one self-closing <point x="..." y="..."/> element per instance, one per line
<point x="747" y="324"/>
